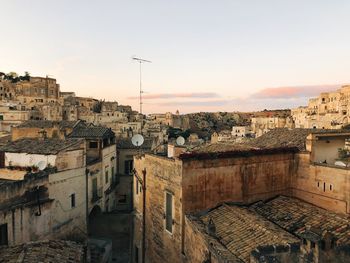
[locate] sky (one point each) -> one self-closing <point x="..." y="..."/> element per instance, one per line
<point x="224" y="55"/>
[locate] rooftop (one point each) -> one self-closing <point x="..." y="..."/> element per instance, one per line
<point x="241" y="231"/>
<point x="301" y="218"/>
<point x="91" y="132"/>
<point x="54" y="251"/>
<point x="284" y="137"/>
<point x="48" y="124"/>
<point x="41" y="146"/>
<point x="125" y="143"/>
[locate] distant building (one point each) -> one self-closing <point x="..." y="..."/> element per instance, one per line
<point x="330" y="110"/>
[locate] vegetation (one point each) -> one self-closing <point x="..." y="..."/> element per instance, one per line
<point x="14" y="77"/>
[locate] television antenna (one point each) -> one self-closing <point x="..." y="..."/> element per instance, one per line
<point x="140" y="61"/>
<point x="180" y="141"/>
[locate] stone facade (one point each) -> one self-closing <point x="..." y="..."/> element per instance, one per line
<point x="202" y="180"/>
<point x="330" y="110"/>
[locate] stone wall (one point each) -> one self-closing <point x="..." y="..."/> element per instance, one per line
<point x="162" y="175"/>
<point x="246" y="179"/>
<point x="323" y="185"/>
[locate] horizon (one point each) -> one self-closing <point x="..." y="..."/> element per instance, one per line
<point x="206" y="57"/>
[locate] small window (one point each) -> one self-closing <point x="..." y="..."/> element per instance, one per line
<point x="137" y="186"/>
<point x="106" y="176"/>
<point x="93" y="145"/>
<point x="72" y="200"/>
<point x="318" y="184"/>
<point x="324" y="187"/>
<point x="3" y="235"/>
<point x="122" y="199"/>
<point x="313" y="244"/>
<point x="169" y="212"/>
<point x="330" y="187"/>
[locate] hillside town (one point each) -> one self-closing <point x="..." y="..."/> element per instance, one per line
<point x="269" y="186"/>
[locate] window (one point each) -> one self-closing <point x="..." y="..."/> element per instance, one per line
<point x="106" y="175"/>
<point x="1" y="117"/>
<point x="3" y="235"/>
<point x="93" y="144"/>
<point x="122" y="199"/>
<point x="324" y="187"/>
<point x="137" y="186"/>
<point x="169" y="212"/>
<point x="128" y="166"/>
<point x="330" y="187"/>
<point x="72" y="200"/>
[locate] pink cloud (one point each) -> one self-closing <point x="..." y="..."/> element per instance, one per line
<point x="199" y="95"/>
<point x="294" y="92"/>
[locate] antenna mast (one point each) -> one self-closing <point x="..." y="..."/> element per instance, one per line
<point x="140" y="61"/>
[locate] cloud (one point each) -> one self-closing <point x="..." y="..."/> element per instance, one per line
<point x="197" y="95"/>
<point x="293" y="92"/>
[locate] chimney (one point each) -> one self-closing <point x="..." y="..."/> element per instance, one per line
<point x="43" y="134"/>
<point x="211" y="228"/>
<point x="175" y="150"/>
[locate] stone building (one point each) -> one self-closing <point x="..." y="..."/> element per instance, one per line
<point x="42" y="190"/>
<point x="49" y="129"/>
<point x="261" y="125"/>
<point x="125" y="166"/>
<point x="330" y="110"/>
<point x="296" y="163"/>
<point x="12" y="114"/>
<point x="101" y="160"/>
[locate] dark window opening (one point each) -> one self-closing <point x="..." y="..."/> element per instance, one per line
<point x="122" y="199"/>
<point x="324" y="187"/>
<point x="128" y="166"/>
<point x="169" y="212"/>
<point x="3" y="235"/>
<point x="72" y="200"/>
<point x="330" y="187"/>
<point x="93" y="145"/>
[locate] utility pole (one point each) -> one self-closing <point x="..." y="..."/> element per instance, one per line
<point x="140" y="61"/>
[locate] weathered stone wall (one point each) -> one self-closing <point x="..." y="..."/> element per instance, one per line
<point x="323" y="185"/>
<point x="162" y="175"/>
<point x="195" y="246"/>
<point x="246" y="179"/>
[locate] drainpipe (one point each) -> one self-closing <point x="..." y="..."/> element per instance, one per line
<point x="144" y="217"/>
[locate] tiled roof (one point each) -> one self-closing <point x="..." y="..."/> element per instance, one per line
<point x="302" y="218"/>
<point x="47" y="124"/>
<point x="125" y="143"/>
<point x="91" y="132"/>
<point x="284" y="137"/>
<point x="41" y="146"/>
<point x="53" y="251"/>
<point x="241" y="231"/>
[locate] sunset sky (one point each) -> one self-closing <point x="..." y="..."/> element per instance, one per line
<point x="224" y="55"/>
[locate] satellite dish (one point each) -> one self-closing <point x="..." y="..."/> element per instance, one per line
<point x="41" y="165"/>
<point x="137" y="140"/>
<point x="180" y="141"/>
